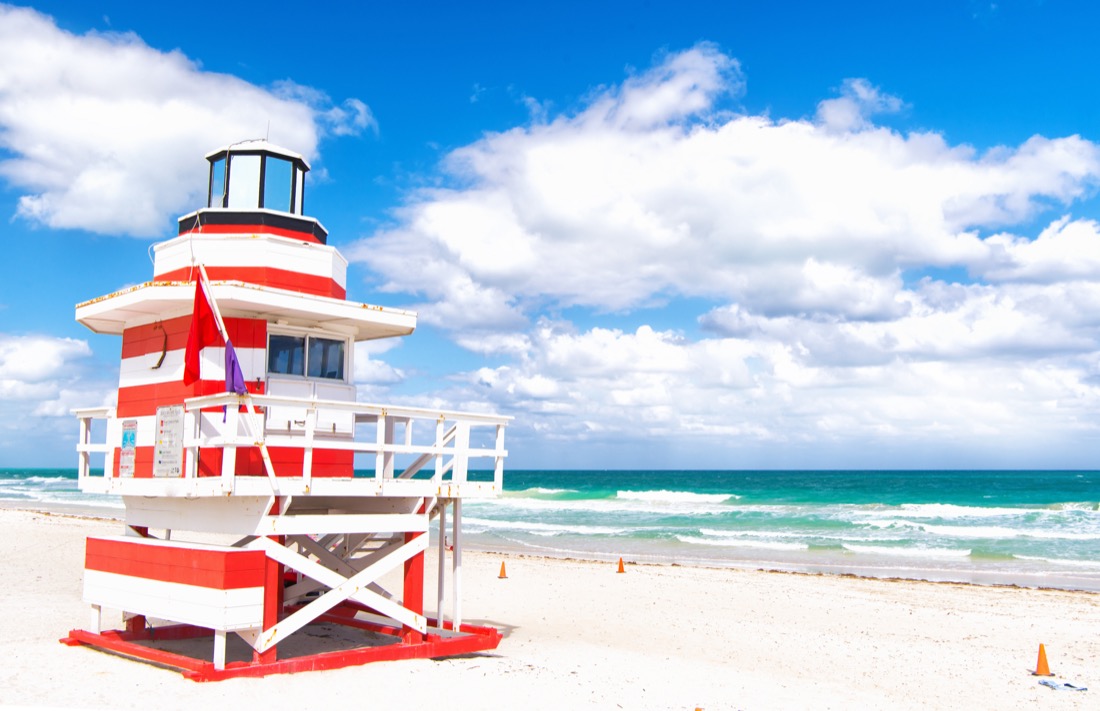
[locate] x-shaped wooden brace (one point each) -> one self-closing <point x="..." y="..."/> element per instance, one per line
<point x="346" y="585"/>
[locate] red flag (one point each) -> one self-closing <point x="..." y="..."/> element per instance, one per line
<point x="204" y="332"/>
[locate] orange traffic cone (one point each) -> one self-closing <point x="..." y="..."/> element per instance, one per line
<point x="1041" y="668"/>
<point x="621" y="569"/>
<point x="502" y="575"/>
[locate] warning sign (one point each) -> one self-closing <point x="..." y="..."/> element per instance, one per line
<point x="129" y="444"/>
<point x="168" y="455"/>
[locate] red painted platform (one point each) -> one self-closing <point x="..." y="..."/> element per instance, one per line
<point x="471" y="638"/>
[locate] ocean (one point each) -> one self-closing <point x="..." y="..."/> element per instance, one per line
<point x="1028" y="528"/>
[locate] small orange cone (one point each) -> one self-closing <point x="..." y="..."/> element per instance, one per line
<point x="1041" y="668"/>
<point x="502" y="575"/>
<point x="621" y="569"/>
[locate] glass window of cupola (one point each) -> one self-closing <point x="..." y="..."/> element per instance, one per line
<point x="257" y="178"/>
<point x="217" y="183"/>
<point x="244" y="182"/>
<point x="278" y="184"/>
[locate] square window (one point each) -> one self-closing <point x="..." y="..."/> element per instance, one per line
<point x="326" y="358"/>
<point x="286" y="355"/>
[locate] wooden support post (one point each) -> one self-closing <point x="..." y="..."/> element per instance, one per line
<point x="442" y="562"/>
<point x="413" y="596"/>
<point x="219" y="649"/>
<point x="273" y="591"/>
<point x="456" y="565"/>
<point x="136" y="625"/>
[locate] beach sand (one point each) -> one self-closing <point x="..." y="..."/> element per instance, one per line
<point x="579" y="635"/>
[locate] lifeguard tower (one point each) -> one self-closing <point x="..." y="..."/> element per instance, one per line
<point x="236" y="439"/>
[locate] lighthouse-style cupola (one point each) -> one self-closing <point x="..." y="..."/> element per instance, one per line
<point x="238" y="415"/>
<point x="256" y="182"/>
<point x="257" y="175"/>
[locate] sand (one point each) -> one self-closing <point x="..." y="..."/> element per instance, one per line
<point x="579" y="635"/>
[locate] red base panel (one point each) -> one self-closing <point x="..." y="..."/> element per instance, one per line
<point x="473" y="639"/>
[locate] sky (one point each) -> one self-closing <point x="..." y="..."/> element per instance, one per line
<point x="666" y="235"/>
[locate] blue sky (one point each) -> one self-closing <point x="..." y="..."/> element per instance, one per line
<point x="674" y="235"/>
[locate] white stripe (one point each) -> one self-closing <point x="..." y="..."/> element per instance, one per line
<point x="251" y="251"/>
<point x="239" y="608"/>
<point x="210" y="425"/>
<point x="138" y="370"/>
<point x="146" y="430"/>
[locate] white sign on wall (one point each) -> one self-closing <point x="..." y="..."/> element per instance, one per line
<point x="168" y="455"/>
<point x="129" y="444"/>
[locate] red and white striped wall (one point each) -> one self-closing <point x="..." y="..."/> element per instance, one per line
<point x="207" y="586"/>
<point x="143" y="387"/>
<point x="255" y="258"/>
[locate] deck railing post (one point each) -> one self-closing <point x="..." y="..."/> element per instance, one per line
<point x="229" y="443"/>
<point x="440" y="431"/>
<point x="456" y="565"/>
<point x="442" y="562"/>
<point x="109" y="456"/>
<point x="307" y="453"/>
<point x="460" y="462"/>
<point x="380" y="444"/>
<point x="191" y="439"/>
<point x="84" y="466"/>
<point x="498" y="461"/>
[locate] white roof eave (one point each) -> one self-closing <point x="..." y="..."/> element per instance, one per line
<point x="153" y="301"/>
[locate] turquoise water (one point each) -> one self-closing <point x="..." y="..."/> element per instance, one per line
<point x="49" y="487"/>
<point x="1021" y="527"/>
<point x="1035" y="528"/>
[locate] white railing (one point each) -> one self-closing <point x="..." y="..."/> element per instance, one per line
<point x="85" y="447"/>
<point x="402" y="441"/>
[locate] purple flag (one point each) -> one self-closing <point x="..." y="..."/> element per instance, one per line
<point x="234" y="378"/>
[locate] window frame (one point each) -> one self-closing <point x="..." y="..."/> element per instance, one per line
<point x="306" y="335"/>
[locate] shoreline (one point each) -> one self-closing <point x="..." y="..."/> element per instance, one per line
<point x="579" y="635"/>
<point x="978" y="578"/>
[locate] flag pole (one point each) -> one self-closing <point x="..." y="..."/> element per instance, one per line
<point x="213" y="303"/>
<point x="251" y="420"/>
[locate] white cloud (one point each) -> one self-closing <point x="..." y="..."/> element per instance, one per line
<point x="33" y="365"/>
<point x="641" y="196"/>
<point x="376" y="372"/>
<point x="1066" y="250"/>
<point x="735" y="392"/>
<point x="794" y="241"/>
<point x="853" y="109"/>
<point x="106" y="133"/>
<point x="42" y="378"/>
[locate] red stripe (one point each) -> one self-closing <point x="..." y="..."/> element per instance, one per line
<point x="140" y="400"/>
<point x="143" y="463"/>
<point x="287" y="461"/>
<point x="264" y="276"/>
<point x="220" y="570"/>
<point x="141" y="340"/>
<point x="253" y="230"/>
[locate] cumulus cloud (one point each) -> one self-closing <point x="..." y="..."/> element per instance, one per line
<point x="32" y="366"/>
<point x="651" y="192"/>
<point x="42" y="378"/>
<point x="1066" y="250"/>
<point x="778" y="391"/>
<point x="804" y="258"/>
<point x="853" y="109"/>
<point x="103" y="131"/>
